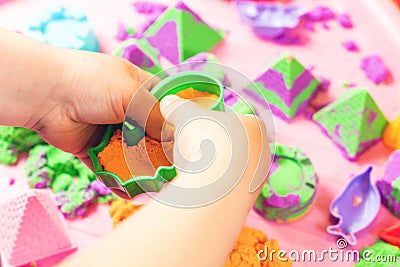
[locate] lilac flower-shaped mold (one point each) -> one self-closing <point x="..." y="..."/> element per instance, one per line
<point x="270" y="20"/>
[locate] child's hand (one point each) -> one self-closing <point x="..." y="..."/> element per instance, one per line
<point x="212" y="146"/>
<point x="93" y="89"/>
<point x="217" y="212"/>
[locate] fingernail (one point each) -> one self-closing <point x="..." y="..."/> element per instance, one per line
<point x="168" y="100"/>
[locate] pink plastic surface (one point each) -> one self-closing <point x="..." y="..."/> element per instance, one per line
<point x="32" y="228"/>
<point x="375" y="31"/>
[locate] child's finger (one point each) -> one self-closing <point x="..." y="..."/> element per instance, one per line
<point x="177" y="110"/>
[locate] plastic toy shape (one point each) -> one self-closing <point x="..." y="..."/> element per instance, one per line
<point x="355" y="208"/>
<point x="64" y="27"/>
<point x="391" y="235"/>
<point x="32" y="228"/>
<point x="269" y="20"/>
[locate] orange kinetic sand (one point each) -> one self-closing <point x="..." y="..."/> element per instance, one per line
<point x="145" y="157"/>
<point x="121" y="209"/>
<point x="191" y="93"/>
<point x="391" y="135"/>
<point x="244" y="253"/>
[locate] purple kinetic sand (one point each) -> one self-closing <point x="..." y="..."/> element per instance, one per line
<point x="270" y="20"/>
<point x="144" y="7"/>
<point x="325" y="83"/>
<point x="320" y="13"/>
<point x="122" y="33"/>
<point x="350" y="46"/>
<point x="345" y="21"/>
<point x="374" y="69"/>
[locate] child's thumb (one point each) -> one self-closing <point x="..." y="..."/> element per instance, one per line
<point x="177" y="110"/>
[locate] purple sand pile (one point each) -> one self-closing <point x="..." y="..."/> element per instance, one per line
<point x="149" y="8"/>
<point x="350" y="46"/>
<point x="345" y="21"/>
<point x="374" y="69"/>
<point x="319" y="14"/>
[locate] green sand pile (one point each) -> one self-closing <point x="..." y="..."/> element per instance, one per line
<point x="75" y="185"/>
<point x="380" y="254"/>
<point x="13" y="141"/>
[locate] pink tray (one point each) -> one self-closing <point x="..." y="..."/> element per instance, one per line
<point x="376" y="32"/>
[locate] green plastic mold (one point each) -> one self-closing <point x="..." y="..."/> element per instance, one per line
<point x="134" y="133"/>
<point x="134" y="186"/>
<point x="196" y="80"/>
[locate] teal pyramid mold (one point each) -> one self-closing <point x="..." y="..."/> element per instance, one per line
<point x="140" y="53"/>
<point x="287" y="86"/>
<point x="354" y="122"/>
<point x="179" y="33"/>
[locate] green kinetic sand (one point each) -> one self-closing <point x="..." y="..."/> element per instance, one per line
<point x="179" y="34"/>
<point x="290" y="190"/>
<point x="75" y="185"/>
<point x="14" y="140"/>
<point x="46" y="162"/>
<point x="380" y="254"/>
<point x="242" y="108"/>
<point x="140" y="53"/>
<point x="289" y="67"/>
<point x="287" y="85"/>
<point x="354" y="122"/>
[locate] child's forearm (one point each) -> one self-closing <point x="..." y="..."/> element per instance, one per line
<point x="29" y="74"/>
<point x="162" y="235"/>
